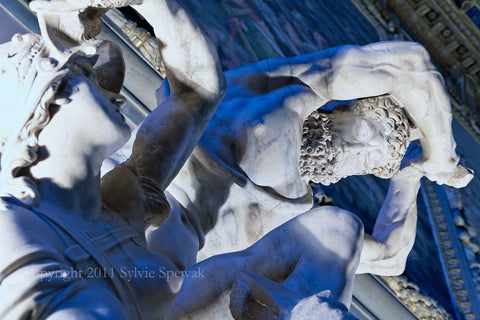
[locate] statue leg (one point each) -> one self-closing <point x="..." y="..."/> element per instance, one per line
<point x="316" y="251"/>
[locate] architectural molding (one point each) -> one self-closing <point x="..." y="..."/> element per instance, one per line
<point x="451" y="37"/>
<point x="423" y="306"/>
<point x="454" y="264"/>
<point x="138" y="38"/>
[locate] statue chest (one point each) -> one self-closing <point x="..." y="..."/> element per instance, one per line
<point x="144" y="282"/>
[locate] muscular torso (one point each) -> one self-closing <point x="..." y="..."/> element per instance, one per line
<point x="243" y="178"/>
<point x="49" y="260"/>
<point x="259" y="134"/>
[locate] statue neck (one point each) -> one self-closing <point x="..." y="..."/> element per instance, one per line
<point x="82" y="198"/>
<point x="68" y="184"/>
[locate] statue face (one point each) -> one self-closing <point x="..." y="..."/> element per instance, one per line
<point x="91" y="120"/>
<point x="362" y="140"/>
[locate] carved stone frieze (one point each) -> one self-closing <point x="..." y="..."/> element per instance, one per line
<point x="456" y="269"/>
<point x="466" y="234"/>
<point x="423" y="306"/>
<point x="443" y="24"/>
<point x="139" y="38"/>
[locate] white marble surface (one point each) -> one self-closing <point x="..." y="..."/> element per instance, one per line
<point x="243" y="186"/>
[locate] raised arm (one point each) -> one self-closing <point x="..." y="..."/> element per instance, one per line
<point x="169" y="134"/>
<point x="401" y="69"/>
<point x="385" y="252"/>
<point x="404" y="70"/>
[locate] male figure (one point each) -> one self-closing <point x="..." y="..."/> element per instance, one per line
<point x="251" y="169"/>
<point x="243" y="179"/>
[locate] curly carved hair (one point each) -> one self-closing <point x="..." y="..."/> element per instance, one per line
<point x="25" y="60"/>
<point x="21" y="152"/>
<point x="319" y="157"/>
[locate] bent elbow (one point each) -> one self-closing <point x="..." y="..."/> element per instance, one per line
<point x="396" y="263"/>
<point x="420" y="57"/>
<point x="396" y="270"/>
<point x="209" y="98"/>
<point x="384" y="268"/>
<point x="419" y="49"/>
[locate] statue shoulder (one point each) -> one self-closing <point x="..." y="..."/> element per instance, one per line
<point x="11" y="204"/>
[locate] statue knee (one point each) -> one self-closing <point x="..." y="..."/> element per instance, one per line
<point x="344" y="231"/>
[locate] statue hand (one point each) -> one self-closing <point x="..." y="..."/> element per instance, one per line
<point x="457" y="178"/>
<point x="78" y="5"/>
<point x="73" y="21"/>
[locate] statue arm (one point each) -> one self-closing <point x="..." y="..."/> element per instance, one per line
<point x="169" y="134"/>
<point x="385" y="252"/>
<point x="404" y="70"/>
<point x="197" y="84"/>
<point x="401" y="69"/>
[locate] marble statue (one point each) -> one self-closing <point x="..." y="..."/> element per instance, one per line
<point x="269" y="138"/>
<point x="306" y="263"/>
<point x="72" y="247"/>
<point x="251" y="169"/>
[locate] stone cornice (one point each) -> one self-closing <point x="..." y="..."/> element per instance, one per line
<point x="454" y="264"/>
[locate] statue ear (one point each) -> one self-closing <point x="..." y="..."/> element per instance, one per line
<point x="258" y="297"/>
